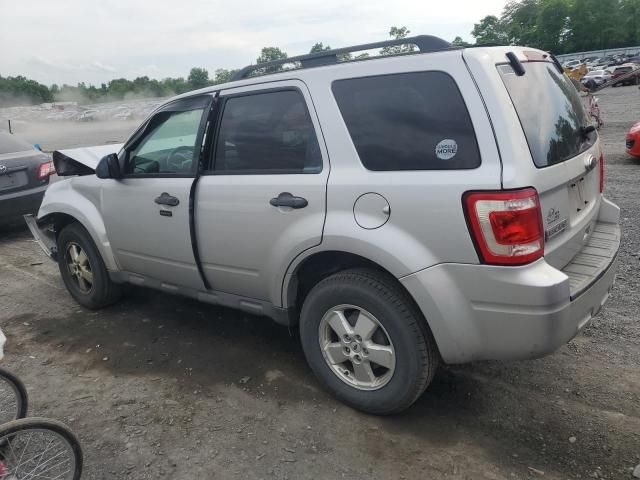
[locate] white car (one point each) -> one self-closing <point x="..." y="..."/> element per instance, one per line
<point x="572" y="64"/>
<point x="598" y="76"/>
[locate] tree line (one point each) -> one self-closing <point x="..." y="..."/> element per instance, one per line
<point x="558" y="26"/>
<point x="23" y="91"/>
<point x="563" y="26"/>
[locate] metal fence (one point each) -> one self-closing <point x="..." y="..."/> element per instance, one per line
<point x="599" y="53"/>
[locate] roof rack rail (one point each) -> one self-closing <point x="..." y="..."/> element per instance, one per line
<point x="425" y="43"/>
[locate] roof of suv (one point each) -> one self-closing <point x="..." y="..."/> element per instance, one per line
<point x="426" y="44"/>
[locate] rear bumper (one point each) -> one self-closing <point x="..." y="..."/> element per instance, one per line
<point x="14" y="205"/>
<point x="483" y="312"/>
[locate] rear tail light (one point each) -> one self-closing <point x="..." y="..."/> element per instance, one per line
<point x="506" y="226"/>
<point x="601" y="172"/>
<point x="45" y="169"/>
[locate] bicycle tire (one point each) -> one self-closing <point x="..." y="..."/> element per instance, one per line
<point x="10" y="431"/>
<point x="20" y="391"/>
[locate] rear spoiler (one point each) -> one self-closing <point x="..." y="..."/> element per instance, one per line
<point x="81" y="161"/>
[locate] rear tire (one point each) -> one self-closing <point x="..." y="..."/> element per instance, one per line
<point x="399" y="333"/>
<point x="83" y="270"/>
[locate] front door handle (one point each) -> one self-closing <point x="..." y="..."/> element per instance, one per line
<point x="166" y="199"/>
<point x="285" y="199"/>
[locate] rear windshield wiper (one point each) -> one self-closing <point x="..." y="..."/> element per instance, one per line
<point x="516" y="64"/>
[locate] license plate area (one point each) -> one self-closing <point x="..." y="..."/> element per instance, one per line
<point x="12" y="180"/>
<point x="581" y="195"/>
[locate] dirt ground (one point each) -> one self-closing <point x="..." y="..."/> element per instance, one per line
<point x="164" y="387"/>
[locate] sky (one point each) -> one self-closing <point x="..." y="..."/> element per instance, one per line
<point x="94" y="41"/>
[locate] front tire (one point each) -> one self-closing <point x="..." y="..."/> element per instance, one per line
<point x="367" y="342"/>
<point x="83" y="270"/>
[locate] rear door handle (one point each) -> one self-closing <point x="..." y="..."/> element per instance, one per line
<point x="285" y="199"/>
<point x="166" y="199"/>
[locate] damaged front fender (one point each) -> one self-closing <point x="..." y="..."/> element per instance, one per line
<point x="74" y="199"/>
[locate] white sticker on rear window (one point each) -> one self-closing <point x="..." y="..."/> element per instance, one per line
<point x="446" y="149"/>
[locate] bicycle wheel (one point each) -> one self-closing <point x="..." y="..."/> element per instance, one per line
<point x="35" y="448"/>
<point x="13" y="397"/>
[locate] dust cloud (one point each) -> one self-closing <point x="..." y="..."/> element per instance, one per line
<point x="69" y="124"/>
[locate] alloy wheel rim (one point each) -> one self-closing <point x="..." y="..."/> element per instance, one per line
<point x="79" y="267"/>
<point x="356" y="347"/>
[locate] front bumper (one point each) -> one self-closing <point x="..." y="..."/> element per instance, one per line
<point x="44" y="238"/>
<point x="14" y="205"/>
<point x="483" y="312"/>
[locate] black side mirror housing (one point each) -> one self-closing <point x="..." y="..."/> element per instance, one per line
<point x="109" y="167"/>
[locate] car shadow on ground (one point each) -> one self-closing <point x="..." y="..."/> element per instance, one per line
<point x="153" y="334"/>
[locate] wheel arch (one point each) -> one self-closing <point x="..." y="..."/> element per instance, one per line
<point x="82" y="211"/>
<point x="319" y="265"/>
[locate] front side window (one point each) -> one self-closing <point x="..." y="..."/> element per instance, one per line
<point x="408" y="121"/>
<point x="169" y="145"/>
<point x="269" y="132"/>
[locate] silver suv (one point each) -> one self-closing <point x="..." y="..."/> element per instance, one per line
<point x="402" y="210"/>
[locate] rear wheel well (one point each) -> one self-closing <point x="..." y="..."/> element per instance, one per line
<point x="320" y="266"/>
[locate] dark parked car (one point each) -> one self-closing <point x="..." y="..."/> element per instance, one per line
<point x="24" y="176"/>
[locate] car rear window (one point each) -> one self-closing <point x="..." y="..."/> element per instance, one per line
<point x="408" y="121"/>
<point x="550" y="112"/>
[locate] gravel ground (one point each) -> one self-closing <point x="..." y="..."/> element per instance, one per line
<point x="163" y="387"/>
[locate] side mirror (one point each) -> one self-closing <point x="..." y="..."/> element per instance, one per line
<point x="109" y="167"/>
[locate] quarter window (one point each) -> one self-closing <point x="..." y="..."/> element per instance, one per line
<point x="408" y="121"/>
<point x="268" y="132"/>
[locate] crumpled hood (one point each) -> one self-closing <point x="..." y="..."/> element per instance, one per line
<point x="82" y="161"/>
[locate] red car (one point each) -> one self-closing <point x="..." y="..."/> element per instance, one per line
<point x="623" y="70"/>
<point x="633" y="141"/>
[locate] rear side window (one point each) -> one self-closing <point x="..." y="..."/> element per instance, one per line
<point x="408" y="121"/>
<point x="550" y="111"/>
<point x="267" y="133"/>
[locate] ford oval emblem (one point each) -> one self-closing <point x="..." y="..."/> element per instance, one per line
<point x="3" y="169"/>
<point x="590" y="163"/>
